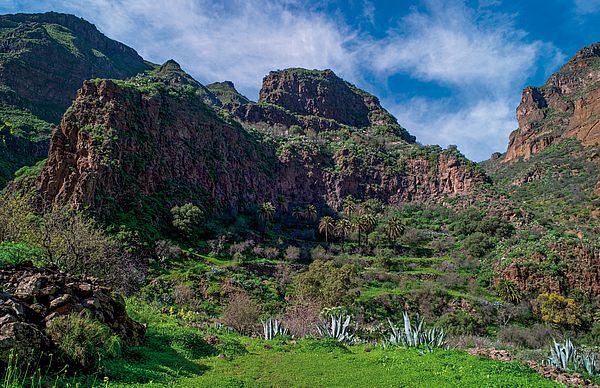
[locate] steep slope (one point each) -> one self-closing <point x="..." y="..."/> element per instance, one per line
<point x="227" y="94"/>
<point x="552" y="170"/>
<point x="44" y="59"/>
<point x="567" y="106"/>
<point x="317" y="101"/>
<point x="144" y="144"/>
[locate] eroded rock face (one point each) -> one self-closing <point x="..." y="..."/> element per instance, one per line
<point x="120" y="144"/>
<point x="117" y="143"/>
<point x="315" y="93"/>
<point x="315" y="100"/>
<point x="33" y="297"/>
<point x="567" y="106"/>
<point x="581" y="271"/>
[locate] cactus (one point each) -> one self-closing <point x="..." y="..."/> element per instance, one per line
<point x="416" y="335"/>
<point x="338" y="329"/>
<point x="272" y="328"/>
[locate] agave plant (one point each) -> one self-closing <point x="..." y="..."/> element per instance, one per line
<point x="588" y="363"/>
<point x="415" y="335"/>
<point x="338" y="329"/>
<point x="272" y="328"/>
<point x="563" y="356"/>
<point x="566" y="357"/>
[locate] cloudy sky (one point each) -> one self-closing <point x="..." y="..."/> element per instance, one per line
<point x="450" y="71"/>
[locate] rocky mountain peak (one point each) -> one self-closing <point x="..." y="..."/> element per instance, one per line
<point x="316" y="93"/>
<point x="566" y="106"/>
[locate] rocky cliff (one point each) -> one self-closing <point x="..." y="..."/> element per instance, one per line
<point x="44" y="58"/>
<point x="150" y="140"/>
<point x="567" y="106"/>
<point x="315" y="100"/>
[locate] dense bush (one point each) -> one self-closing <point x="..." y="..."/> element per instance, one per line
<point x="559" y="310"/>
<point x="12" y="253"/>
<point x="83" y="341"/>
<point x="327" y="284"/>
<point x="534" y="337"/>
<point x="460" y="323"/>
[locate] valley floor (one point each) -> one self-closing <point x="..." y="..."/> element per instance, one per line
<point x="177" y="355"/>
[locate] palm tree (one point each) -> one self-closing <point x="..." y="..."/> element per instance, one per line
<point x="394" y="228"/>
<point x="348" y="204"/>
<point x="326" y="226"/>
<point x="282" y="202"/>
<point x="266" y="211"/>
<point x="343" y="228"/>
<point x="355" y="224"/>
<point x="311" y="212"/>
<point x="298" y="213"/>
<point x="367" y="223"/>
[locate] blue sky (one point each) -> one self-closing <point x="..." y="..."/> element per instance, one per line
<point x="450" y="71"/>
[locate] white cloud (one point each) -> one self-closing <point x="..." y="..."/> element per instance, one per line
<point x="238" y="40"/>
<point x="478" y="128"/>
<point x="479" y="55"/>
<point x="583" y="7"/>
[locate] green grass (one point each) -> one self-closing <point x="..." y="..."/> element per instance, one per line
<point x="381" y="368"/>
<point x="177" y="356"/>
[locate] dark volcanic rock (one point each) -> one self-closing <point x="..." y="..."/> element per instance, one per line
<point x="315" y="93"/>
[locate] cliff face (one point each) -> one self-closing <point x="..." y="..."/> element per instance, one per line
<point x="315" y="100"/>
<point x="124" y="140"/>
<point x="117" y="143"/>
<point x="44" y="58"/>
<point x="567" y="106"/>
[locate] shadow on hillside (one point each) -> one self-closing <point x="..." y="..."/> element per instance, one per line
<point x="161" y="359"/>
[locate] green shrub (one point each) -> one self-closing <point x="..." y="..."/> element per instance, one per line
<point x="478" y="244"/>
<point x="460" y="323"/>
<point x="83" y="341"/>
<point x="12" y="253"/>
<point x="328" y="284"/>
<point x="593" y="337"/>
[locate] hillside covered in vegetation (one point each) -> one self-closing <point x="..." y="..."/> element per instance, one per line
<point x="182" y="234"/>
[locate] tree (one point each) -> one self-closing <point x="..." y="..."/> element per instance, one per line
<point x="355" y="223"/>
<point x="266" y="211"/>
<point x="326" y="226"/>
<point x="343" y="228"/>
<point x="327" y="284"/>
<point x="367" y="224"/>
<point x="394" y="229"/>
<point x="298" y="213"/>
<point x="186" y="218"/>
<point x="559" y="310"/>
<point x="348" y="204"/>
<point x="282" y="202"/>
<point x="311" y="212"/>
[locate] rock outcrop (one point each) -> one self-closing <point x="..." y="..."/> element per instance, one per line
<point x="31" y="298"/>
<point x="120" y="141"/>
<point x="315" y="100"/>
<point x="44" y="58"/>
<point x="117" y="143"/>
<point x="567" y="106"/>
